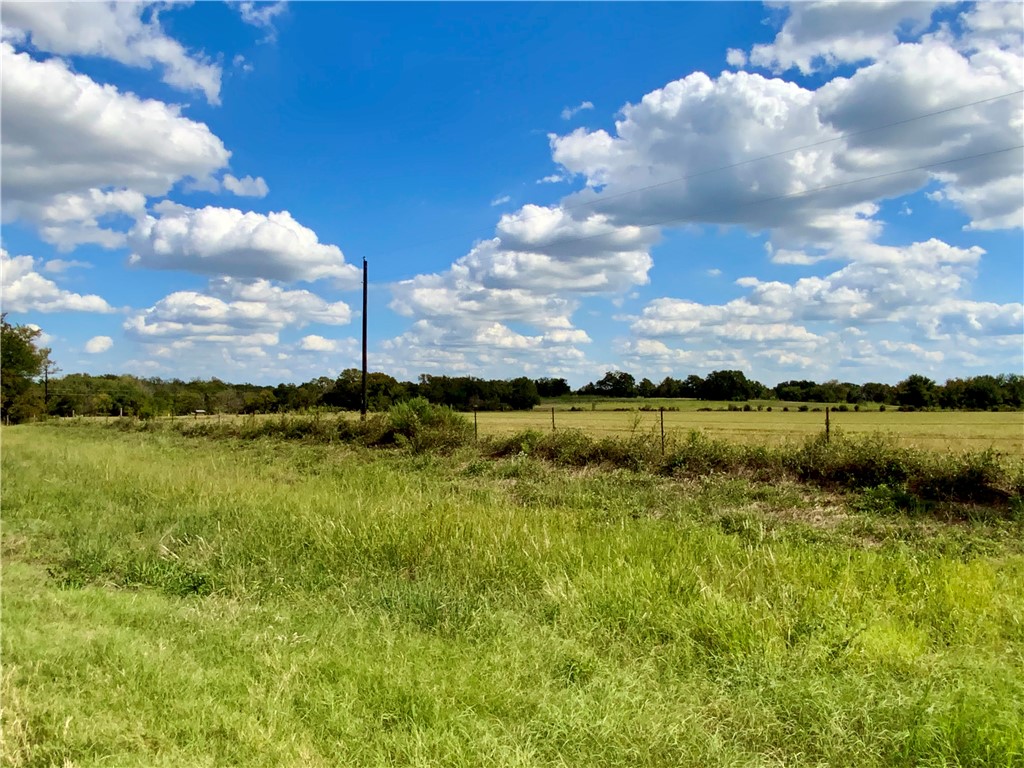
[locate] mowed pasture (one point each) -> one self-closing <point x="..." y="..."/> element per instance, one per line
<point x="935" y="430"/>
<point x="178" y="601"/>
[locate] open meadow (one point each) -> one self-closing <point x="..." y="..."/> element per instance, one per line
<point x="1001" y="431"/>
<point x="937" y="430"/>
<point x="172" y="600"/>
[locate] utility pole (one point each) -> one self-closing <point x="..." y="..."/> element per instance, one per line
<point x="362" y="400"/>
<point x="48" y="367"/>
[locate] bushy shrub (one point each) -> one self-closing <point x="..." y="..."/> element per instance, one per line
<point x="520" y="443"/>
<point x="421" y="426"/>
<point x="853" y="462"/>
<point x="374" y="430"/>
<point x="569" y="447"/>
<point x="967" y="477"/>
<point x="700" y="455"/>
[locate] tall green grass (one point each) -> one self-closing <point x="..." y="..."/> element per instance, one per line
<point x="913" y="477"/>
<point x="171" y="601"/>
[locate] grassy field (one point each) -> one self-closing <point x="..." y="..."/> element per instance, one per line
<point x="933" y="430"/>
<point x="938" y="430"/>
<point x="172" y="601"/>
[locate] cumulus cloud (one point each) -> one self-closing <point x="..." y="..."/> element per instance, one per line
<point x="808" y="167"/>
<point x="246" y="187"/>
<point x="768" y="154"/>
<point x="735" y="57"/>
<point x="25" y="290"/>
<point x="77" y="154"/>
<point x="570" y="112"/>
<point x="115" y="31"/>
<point x="226" y="241"/>
<point x="533" y="272"/>
<point x="72" y="219"/>
<point x="247" y="313"/>
<point x="824" y="34"/>
<point x="98" y="344"/>
<point x="907" y="299"/>
<point x="463" y="345"/>
<point x="314" y="343"/>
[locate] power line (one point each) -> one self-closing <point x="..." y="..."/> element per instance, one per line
<point x="718" y="169"/>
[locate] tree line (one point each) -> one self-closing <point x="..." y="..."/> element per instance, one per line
<point x="29" y="390"/>
<point x="916" y="391"/>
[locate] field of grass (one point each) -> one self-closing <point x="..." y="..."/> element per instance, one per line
<point x="938" y="430"/>
<point x="173" y="601"/>
<point x="933" y="430"/>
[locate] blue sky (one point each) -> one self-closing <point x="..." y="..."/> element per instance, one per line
<point x="808" y="191"/>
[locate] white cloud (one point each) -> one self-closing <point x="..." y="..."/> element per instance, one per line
<point x="714" y="272"/>
<point x="824" y="34"/>
<point x="993" y="25"/>
<point x="314" y="343"/>
<point x="239" y="62"/>
<point x="115" y="31"/>
<point x="699" y="124"/>
<point x="262" y="15"/>
<point x="238" y="313"/>
<point x="554" y="178"/>
<point x="226" y="241"/>
<point x="925" y="77"/>
<point x="500" y="200"/>
<point x="98" y="344"/>
<point x="808" y="168"/>
<point x="884" y="304"/>
<point x="461" y="344"/>
<point x="43" y="339"/>
<point x="246" y="187"/>
<point x="570" y="112"/>
<point x="531" y="273"/>
<point x="25" y="290"/>
<point x="72" y="219"/>
<point x="76" y="153"/>
<point x="59" y="266"/>
<point x="795" y="258"/>
<point x="735" y="57"/>
<point x="723" y="150"/>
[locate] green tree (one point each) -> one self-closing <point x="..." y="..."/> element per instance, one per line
<point x="730" y="385"/>
<point x="917" y="391"/>
<point x="21" y="361"/>
<point x="616" y="384"/>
